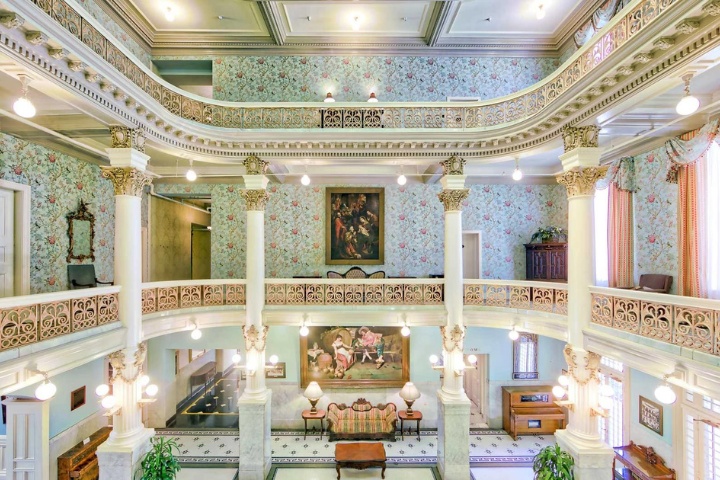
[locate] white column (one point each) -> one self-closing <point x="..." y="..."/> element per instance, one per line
<point x="593" y="458"/>
<point x="129" y="440"/>
<point x="453" y="457"/>
<point x="27" y="454"/>
<point x="254" y="403"/>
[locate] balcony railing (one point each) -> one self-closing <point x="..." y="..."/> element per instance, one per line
<point x="354" y="292"/>
<point x="683" y="321"/>
<point x="34" y="318"/>
<point x="164" y="296"/>
<point x="538" y="296"/>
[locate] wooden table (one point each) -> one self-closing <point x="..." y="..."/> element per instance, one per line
<point x="360" y="456"/>
<point x="403" y="415"/>
<point x="319" y="415"/>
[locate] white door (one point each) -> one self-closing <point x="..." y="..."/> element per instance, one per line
<point x="472" y="260"/>
<point x="475" y="385"/>
<point x="7" y="243"/>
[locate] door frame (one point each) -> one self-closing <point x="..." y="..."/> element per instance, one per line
<point x="21" y="222"/>
<point x="478" y="234"/>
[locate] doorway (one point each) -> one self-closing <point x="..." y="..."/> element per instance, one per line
<point x="472" y="254"/>
<point x="475" y="383"/>
<point x="200" y="252"/>
<point x="14" y="239"/>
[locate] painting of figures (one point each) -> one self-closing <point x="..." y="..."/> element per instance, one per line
<point x="354" y="226"/>
<point x="347" y="357"/>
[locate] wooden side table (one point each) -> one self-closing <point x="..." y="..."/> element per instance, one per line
<point x="403" y="415"/>
<point x="319" y="415"/>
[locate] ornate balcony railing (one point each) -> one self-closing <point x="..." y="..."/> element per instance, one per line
<point x="354" y="292"/>
<point x="34" y="318"/>
<point x="539" y="296"/>
<point x="684" y="321"/>
<point x="164" y="296"/>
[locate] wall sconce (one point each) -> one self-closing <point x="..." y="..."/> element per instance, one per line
<point x="436" y="363"/>
<point x="405" y="330"/>
<point x="513" y="334"/>
<point x="560" y="392"/>
<point x="47" y="389"/>
<point x="251" y="367"/>
<point x="472" y="360"/>
<point x="109" y="402"/>
<point x="196" y="333"/>
<point x="664" y="393"/>
<point x="304" y="330"/>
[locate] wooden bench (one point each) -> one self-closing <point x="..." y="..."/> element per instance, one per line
<point x="360" y="456"/>
<point x="80" y="462"/>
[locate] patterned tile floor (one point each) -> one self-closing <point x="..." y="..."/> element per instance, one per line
<point x="221" y="447"/>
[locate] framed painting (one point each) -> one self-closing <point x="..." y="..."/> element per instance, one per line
<point x="77" y="398"/>
<point x="355" y="357"/>
<point x="651" y="415"/>
<point x="354" y="226"/>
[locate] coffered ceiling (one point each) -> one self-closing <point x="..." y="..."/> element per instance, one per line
<point x="448" y="27"/>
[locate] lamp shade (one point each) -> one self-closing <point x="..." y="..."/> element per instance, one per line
<point x="313" y="391"/>
<point x="409" y="392"/>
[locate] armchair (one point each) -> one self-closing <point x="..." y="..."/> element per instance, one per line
<point x="655" y="282"/>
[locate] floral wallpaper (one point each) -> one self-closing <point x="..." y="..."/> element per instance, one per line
<point x="116" y="30"/>
<point x="507" y="215"/>
<point x="58" y="182"/>
<point x="393" y="79"/>
<point x="655" y="211"/>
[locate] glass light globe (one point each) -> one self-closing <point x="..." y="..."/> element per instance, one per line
<point x="151" y="390"/>
<point x="606" y="391"/>
<point x="372" y="98"/>
<point x="513" y="334"/>
<point x="686" y="106"/>
<point x="274" y="359"/>
<point x="191" y="175"/>
<point x="45" y="390"/>
<point x="143" y="380"/>
<point x="517" y="174"/>
<point x="472" y="359"/>
<point x="102" y="390"/>
<point x="402" y="180"/>
<point x="564" y="380"/>
<point x="169" y="14"/>
<point x="605" y="402"/>
<point x="196" y="334"/>
<point x="434" y="359"/>
<point x="405" y="331"/>
<point x="558" y="391"/>
<point x="236" y="358"/>
<point x="304" y="331"/>
<point x="540" y="13"/>
<point x="108" y="402"/>
<point x="24" y="107"/>
<point x="305" y="180"/>
<point x="665" y="394"/>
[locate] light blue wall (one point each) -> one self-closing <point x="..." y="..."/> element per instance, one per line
<point x="61" y="418"/>
<point x="645" y="385"/>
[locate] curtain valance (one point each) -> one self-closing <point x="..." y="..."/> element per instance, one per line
<point x="622" y="174"/>
<point x="686" y="152"/>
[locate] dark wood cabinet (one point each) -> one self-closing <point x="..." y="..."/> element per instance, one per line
<point x="546" y="262"/>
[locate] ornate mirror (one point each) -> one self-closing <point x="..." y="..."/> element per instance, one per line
<point x="81" y="230"/>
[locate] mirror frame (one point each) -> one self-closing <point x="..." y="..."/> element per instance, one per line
<point x="82" y="213"/>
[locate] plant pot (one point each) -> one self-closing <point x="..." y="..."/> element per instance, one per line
<point x="548" y="240"/>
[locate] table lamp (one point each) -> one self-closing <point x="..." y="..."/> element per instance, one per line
<point x="313" y="393"/>
<point x="409" y="393"/>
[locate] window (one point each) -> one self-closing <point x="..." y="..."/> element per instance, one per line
<point x="708" y="180"/>
<point x="702" y="437"/>
<point x="611" y="428"/>
<point x="525" y="357"/>
<point x="601" y="237"/>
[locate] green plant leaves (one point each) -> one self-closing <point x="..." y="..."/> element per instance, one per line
<point x="553" y="463"/>
<point x="160" y="462"/>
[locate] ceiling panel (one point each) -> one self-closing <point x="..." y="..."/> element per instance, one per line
<point x="387" y="19"/>
<point x="242" y="17"/>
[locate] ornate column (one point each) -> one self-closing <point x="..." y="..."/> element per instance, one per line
<point x="593" y="458"/>
<point x="254" y="403"/>
<point x="119" y="455"/>
<point x="453" y="404"/>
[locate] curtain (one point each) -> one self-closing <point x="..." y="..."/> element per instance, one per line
<point x="688" y="238"/>
<point x="621" y="261"/>
<point x="689" y="148"/>
<point x="708" y="181"/>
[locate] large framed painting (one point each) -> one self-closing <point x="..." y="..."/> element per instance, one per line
<point x="651" y="415"/>
<point x="354" y="224"/>
<point x="360" y="357"/>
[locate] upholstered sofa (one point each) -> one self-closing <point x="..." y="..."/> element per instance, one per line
<point x="361" y="420"/>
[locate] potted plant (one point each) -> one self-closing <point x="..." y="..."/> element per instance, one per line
<point x="160" y="463"/>
<point x="549" y="234"/>
<point x="553" y="463"/>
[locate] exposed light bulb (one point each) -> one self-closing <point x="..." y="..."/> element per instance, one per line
<point x="108" y="402"/>
<point x="372" y="98"/>
<point x="102" y="390"/>
<point x="472" y="359"/>
<point x="517" y="174"/>
<point x="191" y="175"/>
<point x="169" y="14"/>
<point x="356" y="24"/>
<point x="665" y="394"/>
<point x="329" y="97"/>
<point x="405" y="331"/>
<point x="513" y="334"/>
<point x="540" y="13"/>
<point x="305" y="180"/>
<point x="196" y="334"/>
<point x="236" y="358"/>
<point x="402" y="179"/>
<point x="273" y="359"/>
<point x="434" y="359"/>
<point x="143" y="380"/>
<point x="688" y="104"/>
<point x="563" y="380"/>
<point x="304" y="331"/>
<point x="558" y="391"/>
<point x="45" y="390"/>
<point x="23" y="106"/>
<point x="151" y="390"/>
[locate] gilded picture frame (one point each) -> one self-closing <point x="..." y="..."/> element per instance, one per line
<point x="651" y="415"/>
<point x="355" y="357"/>
<point x="354" y="226"/>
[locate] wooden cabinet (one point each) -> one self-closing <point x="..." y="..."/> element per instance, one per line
<point x="546" y="262"/>
<point x="635" y="462"/>
<point x="530" y="411"/>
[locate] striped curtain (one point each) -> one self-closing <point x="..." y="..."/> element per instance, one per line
<point x="620" y="238"/>
<point x="688" y="239"/>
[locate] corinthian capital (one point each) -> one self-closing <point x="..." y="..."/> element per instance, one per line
<point x="453" y="165"/>
<point x="127" y="180"/>
<point x="581" y="181"/>
<point x="452" y="338"/>
<point x="583" y="366"/>
<point x="255" y="337"/>
<point x="124" y="137"/>
<point x="255" y="166"/>
<point x="452" y="199"/>
<point x="576" y="137"/>
<point x="256" y="199"/>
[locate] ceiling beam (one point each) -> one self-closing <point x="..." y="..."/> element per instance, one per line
<point x="439" y="20"/>
<point x="273" y="21"/>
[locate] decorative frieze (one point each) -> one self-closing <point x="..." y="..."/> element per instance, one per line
<point x="256" y="199"/>
<point x="643" y="57"/>
<point x="584" y="369"/>
<point x="687" y="26"/>
<point x="127" y="180"/>
<point x="664" y="43"/>
<point x="453" y="166"/>
<point x="452" y="338"/>
<point x="59" y="54"/>
<point x="255" y="338"/>
<point x="576" y="137"/>
<point x="126" y="137"/>
<point x="712" y="8"/>
<point x="255" y="166"/>
<point x="581" y="181"/>
<point x="452" y="198"/>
